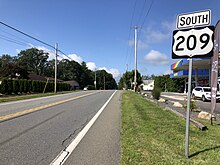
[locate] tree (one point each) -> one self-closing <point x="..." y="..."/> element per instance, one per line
<point x="105" y="80"/>
<point x="9" y="68"/>
<point x="33" y="60"/>
<point x="127" y="80"/>
<point x="49" y="68"/>
<point x="86" y="77"/>
<point x="168" y="84"/>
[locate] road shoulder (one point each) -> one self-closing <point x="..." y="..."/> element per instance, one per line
<point x="101" y="145"/>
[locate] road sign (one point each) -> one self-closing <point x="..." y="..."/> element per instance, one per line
<point x="196" y="42"/>
<point x="195" y="19"/>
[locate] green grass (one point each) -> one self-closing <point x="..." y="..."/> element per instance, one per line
<point x="153" y="135"/>
<point x="29" y="96"/>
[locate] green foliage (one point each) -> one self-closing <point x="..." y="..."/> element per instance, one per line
<point x="21" y="86"/>
<point x="167" y="84"/>
<point x="10" y="86"/>
<point x="105" y="80"/>
<point x="156" y="93"/>
<point x="34" y="86"/>
<point x="16" y="86"/>
<point x="33" y="60"/>
<point x="36" y="62"/>
<point x="4" y="86"/>
<point x="91" y="87"/>
<point x="127" y="79"/>
<point x="154" y="136"/>
<point x="25" y="86"/>
<point x="193" y="106"/>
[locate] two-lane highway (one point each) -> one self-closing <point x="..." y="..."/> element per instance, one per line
<point x="35" y="131"/>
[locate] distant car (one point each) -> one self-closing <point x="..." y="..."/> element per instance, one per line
<point x="203" y="93"/>
<point x="85" y="89"/>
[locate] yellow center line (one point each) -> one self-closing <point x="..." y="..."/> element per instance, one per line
<point x="5" y="117"/>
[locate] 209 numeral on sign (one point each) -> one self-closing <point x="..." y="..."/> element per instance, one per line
<point x="193" y="42"/>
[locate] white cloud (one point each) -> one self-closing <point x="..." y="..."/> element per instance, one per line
<point x="167" y="72"/>
<point x="156" y="36"/>
<point x="74" y="57"/>
<point x="156" y="58"/>
<point x="141" y="44"/>
<point x="115" y="72"/>
<point x="91" y="66"/>
<point x="50" y="52"/>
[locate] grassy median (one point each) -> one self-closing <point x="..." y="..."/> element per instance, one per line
<point x="152" y="135"/>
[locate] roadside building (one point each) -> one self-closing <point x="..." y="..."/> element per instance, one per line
<point x="201" y="72"/>
<point x="147" y="85"/>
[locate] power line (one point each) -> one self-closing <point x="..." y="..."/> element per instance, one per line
<point x="141" y="13"/>
<point x="26" y="34"/>
<point x="19" y="31"/>
<point x="14" y="36"/>
<point x="129" y="35"/>
<point x="12" y="41"/>
<point x="147" y="13"/>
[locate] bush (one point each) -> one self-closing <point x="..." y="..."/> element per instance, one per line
<point x="156" y="93"/>
<point x="21" y="86"/>
<point x="91" y="87"/>
<point x="15" y="86"/>
<point x="25" y="86"/>
<point x="10" y="87"/>
<point x="4" y="86"/>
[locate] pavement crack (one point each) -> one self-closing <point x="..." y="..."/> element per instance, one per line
<point x="69" y="138"/>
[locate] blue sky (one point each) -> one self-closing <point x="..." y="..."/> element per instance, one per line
<point x="98" y="31"/>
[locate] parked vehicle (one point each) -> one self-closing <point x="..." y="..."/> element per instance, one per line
<point x="204" y="93"/>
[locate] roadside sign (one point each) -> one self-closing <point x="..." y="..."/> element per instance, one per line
<point x="195" y="19"/>
<point x="196" y="42"/>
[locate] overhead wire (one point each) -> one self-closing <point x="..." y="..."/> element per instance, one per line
<point x="34" y="38"/>
<point x="141" y="13"/>
<point x="129" y="35"/>
<point x="14" y="36"/>
<point x="12" y="40"/>
<point x="149" y="9"/>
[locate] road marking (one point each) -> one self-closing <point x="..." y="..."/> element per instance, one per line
<point x="64" y="154"/>
<point x="5" y="117"/>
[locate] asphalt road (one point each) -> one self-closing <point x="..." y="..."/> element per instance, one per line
<point x="204" y="106"/>
<point x="37" y="130"/>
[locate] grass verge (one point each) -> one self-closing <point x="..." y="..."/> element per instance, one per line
<point x="153" y="135"/>
<point x="29" y="96"/>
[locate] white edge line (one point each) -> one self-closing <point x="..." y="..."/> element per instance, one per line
<point x="60" y="159"/>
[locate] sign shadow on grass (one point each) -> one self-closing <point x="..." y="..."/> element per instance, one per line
<point x="205" y="150"/>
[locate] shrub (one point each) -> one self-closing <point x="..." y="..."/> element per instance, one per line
<point x="91" y="87"/>
<point x="21" y="86"/>
<point x="10" y="87"/>
<point x="16" y="86"/>
<point x="4" y="86"/>
<point x="25" y="86"/>
<point x="156" y="93"/>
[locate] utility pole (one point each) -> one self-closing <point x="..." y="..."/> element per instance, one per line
<point x="55" y="68"/>
<point x="135" y="57"/>
<point x="95" y="79"/>
<point x="104" y="82"/>
<point x="126" y="67"/>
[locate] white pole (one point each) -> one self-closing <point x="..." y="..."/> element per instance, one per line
<point x="135" y="58"/>
<point x="55" y="75"/>
<point x="188" y="109"/>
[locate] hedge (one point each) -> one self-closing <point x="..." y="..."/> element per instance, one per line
<point x="8" y="86"/>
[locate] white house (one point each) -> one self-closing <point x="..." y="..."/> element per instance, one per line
<point x="147" y="85"/>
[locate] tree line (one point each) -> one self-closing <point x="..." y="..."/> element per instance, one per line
<point x="35" y="61"/>
<point x="164" y="82"/>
